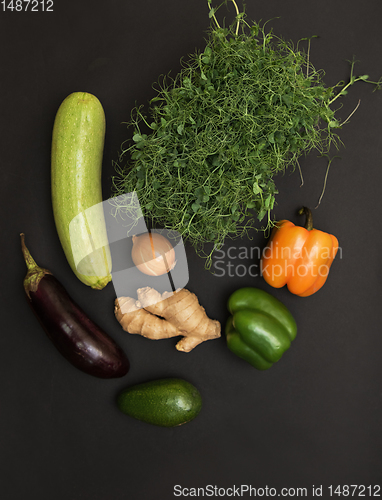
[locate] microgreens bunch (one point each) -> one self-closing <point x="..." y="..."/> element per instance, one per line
<point x="239" y="112"/>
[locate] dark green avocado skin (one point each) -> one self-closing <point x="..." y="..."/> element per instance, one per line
<point x="166" y="402"/>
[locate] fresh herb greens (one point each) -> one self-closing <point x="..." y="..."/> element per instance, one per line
<point x="244" y="109"/>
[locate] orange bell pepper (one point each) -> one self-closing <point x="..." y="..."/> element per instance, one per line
<point x="299" y="257"/>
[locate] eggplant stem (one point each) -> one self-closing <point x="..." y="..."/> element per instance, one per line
<point x="29" y="260"/>
<point x="35" y="273"/>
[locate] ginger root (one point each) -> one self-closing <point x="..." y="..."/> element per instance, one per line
<point x="161" y="316"/>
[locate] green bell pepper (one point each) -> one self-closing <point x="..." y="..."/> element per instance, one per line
<point x="260" y="329"/>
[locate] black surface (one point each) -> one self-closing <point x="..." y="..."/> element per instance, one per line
<point x="315" y="417"/>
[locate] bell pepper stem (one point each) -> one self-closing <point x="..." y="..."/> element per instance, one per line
<point x="309" y="218"/>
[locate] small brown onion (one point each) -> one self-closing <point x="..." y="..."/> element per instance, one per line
<point x="153" y="254"/>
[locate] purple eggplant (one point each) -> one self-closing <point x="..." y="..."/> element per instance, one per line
<point x="77" y="337"/>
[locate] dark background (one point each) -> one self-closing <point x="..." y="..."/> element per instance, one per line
<point x="315" y="417"/>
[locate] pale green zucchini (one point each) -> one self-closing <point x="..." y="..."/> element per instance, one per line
<point x="76" y="164"/>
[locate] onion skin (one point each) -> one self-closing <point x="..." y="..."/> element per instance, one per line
<point x="83" y="343"/>
<point x="153" y="254"/>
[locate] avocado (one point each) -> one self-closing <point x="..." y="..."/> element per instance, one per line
<point x="165" y="402"/>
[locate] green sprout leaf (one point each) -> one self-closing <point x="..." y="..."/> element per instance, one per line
<point x="237" y="114"/>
